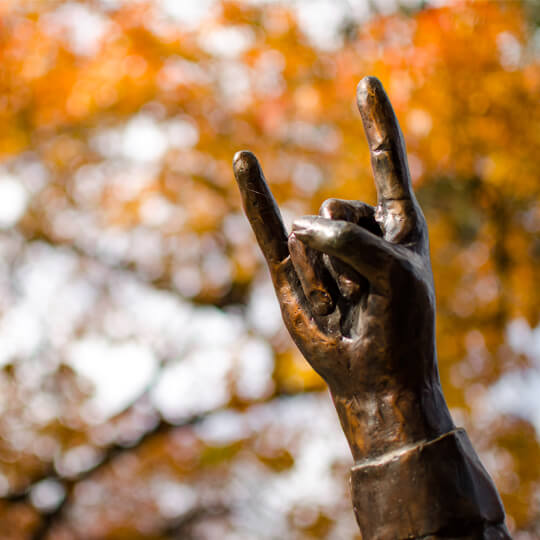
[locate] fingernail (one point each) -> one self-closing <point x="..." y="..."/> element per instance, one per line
<point x="243" y="161"/>
<point x="369" y="86"/>
<point x="301" y="234"/>
<point x="301" y="224"/>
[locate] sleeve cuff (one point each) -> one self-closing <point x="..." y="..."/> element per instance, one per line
<point x="438" y="486"/>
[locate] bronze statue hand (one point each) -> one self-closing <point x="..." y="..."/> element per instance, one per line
<point x="356" y="292"/>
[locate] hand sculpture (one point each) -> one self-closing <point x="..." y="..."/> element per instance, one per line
<point x="370" y="334"/>
<point x="356" y="292"/>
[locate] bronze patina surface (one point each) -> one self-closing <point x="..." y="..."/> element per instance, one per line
<point x="356" y="292"/>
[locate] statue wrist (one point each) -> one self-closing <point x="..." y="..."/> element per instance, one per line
<point x="376" y="424"/>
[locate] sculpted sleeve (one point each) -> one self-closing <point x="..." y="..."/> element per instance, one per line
<point x="437" y="489"/>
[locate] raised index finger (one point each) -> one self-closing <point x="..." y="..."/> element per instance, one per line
<point x="386" y="145"/>
<point x="261" y="208"/>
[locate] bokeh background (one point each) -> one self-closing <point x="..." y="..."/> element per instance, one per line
<point x="148" y="389"/>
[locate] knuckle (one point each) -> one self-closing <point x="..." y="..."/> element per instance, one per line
<point x="329" y="208"/>
<point x="344" y="234"/>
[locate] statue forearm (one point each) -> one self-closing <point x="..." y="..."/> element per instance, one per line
<point x="377" y="422"/>
<point x="415" y="474"/>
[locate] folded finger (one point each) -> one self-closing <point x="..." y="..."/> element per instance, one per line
<point x="366" y="253"/>
<point x="350" y="284"/>
<point x="310" y="270"/>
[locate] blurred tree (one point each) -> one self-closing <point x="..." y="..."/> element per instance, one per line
<point x="148" y="389"/>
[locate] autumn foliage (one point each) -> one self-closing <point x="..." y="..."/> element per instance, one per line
<point x="117" y="147"/>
